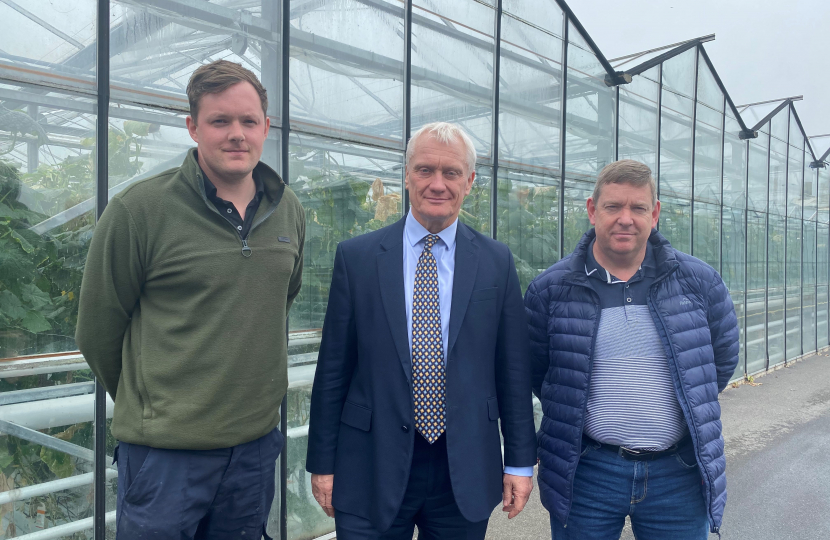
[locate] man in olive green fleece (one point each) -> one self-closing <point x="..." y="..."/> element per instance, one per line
<point x="188" y="282"/>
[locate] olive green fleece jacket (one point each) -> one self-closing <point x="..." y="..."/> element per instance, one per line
<point x="185" y="330"/>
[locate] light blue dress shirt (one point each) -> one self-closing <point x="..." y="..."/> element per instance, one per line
<point x="414" y="236"/>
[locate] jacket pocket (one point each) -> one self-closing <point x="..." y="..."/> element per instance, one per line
<point x="356" y="416"/>
<point x="484" y="294"/>
<point x="493" y="408"/>
<point x="146" y="410"/>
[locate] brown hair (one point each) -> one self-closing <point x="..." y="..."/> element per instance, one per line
<point x="217" y="77"/>
<point x="626" y="171"/>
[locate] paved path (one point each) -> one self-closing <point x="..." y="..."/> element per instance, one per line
<point x="778" y="461"/>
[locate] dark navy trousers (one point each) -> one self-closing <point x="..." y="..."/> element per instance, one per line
<point x="222" y="494"/>
<point x="428" y="503"/>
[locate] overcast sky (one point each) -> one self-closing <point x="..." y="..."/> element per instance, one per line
<point x="764" y="49"/>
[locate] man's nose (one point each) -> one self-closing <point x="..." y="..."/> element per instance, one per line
<point x="625" y="217"/>
<point x="436" y="182"/>
<point x="236" y="133"/>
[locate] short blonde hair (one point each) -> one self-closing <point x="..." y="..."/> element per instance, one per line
<point x="446" y="133"/>
<point x="626" y="171"/>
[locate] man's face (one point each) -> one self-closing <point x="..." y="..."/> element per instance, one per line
<point x="438" y="180"/>
<point x="229" y="131"/>
<point x="623" y="218"/>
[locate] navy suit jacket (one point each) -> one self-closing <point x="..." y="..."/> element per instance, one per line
<point x="362" y="426"/>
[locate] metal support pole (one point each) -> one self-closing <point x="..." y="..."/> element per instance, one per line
<point x="786" y="220"/>
<point x="746" y="255"/>
<point x="494" y="147"/>
<point x="722" y="203"/>
<point x="617" y="123"/>
<point x="102" y="67"/>
<point x="694" y="141"/>
<point x="285" y="39"/>
<point x="563" y="135"/>
<point x="407" y="92"/>
<point x="766" y="258"/>
<point x="659" y="127"/>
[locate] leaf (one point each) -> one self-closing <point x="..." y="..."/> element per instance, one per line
<point x="10" y="305"/>
<point x="27" y="247"/>
<point x="6" y="212"/>
<point x="58" y="462"/>
<point x="35" y="297"/>
<point x="35" y="322"/>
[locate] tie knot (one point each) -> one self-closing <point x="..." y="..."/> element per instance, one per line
<point x="431" y="240"/>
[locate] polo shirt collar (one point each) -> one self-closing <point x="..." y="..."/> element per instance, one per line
<point x="648" y="268"/>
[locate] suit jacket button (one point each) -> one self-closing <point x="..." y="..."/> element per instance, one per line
<point x="405" y="428"/>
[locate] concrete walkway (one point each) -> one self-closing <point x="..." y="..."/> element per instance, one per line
<point x="777" y="439"/>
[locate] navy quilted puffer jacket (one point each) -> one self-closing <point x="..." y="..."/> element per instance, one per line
<point x="696" y="320"/>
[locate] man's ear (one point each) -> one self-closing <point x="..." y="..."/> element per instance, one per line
<point x="191" y="128"/>
<point x="592" y="210"/>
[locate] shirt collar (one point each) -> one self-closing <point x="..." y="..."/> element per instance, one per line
<point x="210" y="189"/>
<point x="647" y="268"/>
<point x="414" y="232"/>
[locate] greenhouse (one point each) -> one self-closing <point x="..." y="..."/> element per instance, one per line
<point x="92" y="99"/>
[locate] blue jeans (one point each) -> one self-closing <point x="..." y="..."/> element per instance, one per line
<point x="663" y="498"/>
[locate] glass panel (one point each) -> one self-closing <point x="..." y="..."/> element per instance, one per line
<point x="734" y="266"/>
<point x="638" y="120"/>
<point x="777" y="177"/>
<point x="708" y="91"/>
<point x="155" y="49"/>
<point x="758" y="172"/>
<point x="810" y="209"/>
<point x="552" y="18"/>
<point x="796" y="137"/>
<point x="576" y="214"/>
<point x="345" y="82"/>
<point x="529" y="101"/>
<point x="823" y="195"/>
<point x="707" y="233"/>
<point x="708" y="154"/>
<point x="779" y="125"/>
<point x="676" y="223"/>
<point x="794" y="252"/>
<point x="676" y="146"/>
<point x="46" y="42"/>
<point x="776" y="233"/>
<point x="47" y="180"/>
<point x="346" y="190"/>
<point x="793" y="322"/>
<point x="734" y="166"/>
<point x="575" y="38"/>
<point x="529" y="221"/>
<point x="795" y="180"/>
<point x="756" y="311"/>
<point x="452" y="67"/>
<point x="821" y="317"/>
<point x="808" y="297"/>
<point x="589" y="119"/>
<point x="48" y="404"/>
<point x="475" y="211"/>
<point x="679" y="73"/>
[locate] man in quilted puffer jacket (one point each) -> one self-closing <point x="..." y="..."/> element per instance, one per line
<point x="631" y="341"/>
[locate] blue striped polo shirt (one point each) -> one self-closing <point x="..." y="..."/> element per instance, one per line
<point x="632" y="400"/>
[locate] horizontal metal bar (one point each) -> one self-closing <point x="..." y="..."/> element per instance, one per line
<point x="47" y="440"/>
<point x="48" y="392"/>
<point x="27" y="492"/>
<point x="26" y="372"/>
<point x="702" y="39"/>
<point x="65" y="529"/>
<point x="793" y="98"/>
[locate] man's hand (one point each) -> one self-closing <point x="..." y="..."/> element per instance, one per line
<point x="321" y="485"/>
<point x="516" y="493"/>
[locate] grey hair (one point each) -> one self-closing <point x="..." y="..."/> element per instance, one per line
<point x="626" y="171"/>
<point x="446" y="133"/>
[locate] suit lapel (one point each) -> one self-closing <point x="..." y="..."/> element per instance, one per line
<point x="390" y="277"/>
<point x="463" y="281"/>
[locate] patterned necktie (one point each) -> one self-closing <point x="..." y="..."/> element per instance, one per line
<point x="428" y="347"/>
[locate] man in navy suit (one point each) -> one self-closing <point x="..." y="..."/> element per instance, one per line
<point x="424" y="349"/>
